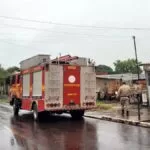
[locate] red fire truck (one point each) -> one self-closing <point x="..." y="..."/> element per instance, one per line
<point x="57" y="86"/>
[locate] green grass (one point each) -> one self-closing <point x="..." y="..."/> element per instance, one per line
<point x="104" y="106"/>
<point x="3" y="100"/>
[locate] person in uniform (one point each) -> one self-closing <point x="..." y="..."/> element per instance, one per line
<point x="137" y="91"/>
<point x="123" y="94"/>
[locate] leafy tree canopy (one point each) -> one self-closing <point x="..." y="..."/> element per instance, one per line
<point x="126" y="66"/>
<point x="103" y="68"/>
<point x="13" y="69"/>
<point x="4" y="73"/>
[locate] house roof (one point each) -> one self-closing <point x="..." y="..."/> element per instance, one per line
<point x="145" y="64"/>
<point x="127" y="76"/>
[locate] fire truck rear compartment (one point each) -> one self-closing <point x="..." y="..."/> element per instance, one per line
<point x="69" y="88"/>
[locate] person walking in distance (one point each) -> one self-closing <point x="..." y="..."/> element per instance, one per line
<point x="124" y="93"/>
<point x="137" y="91"/>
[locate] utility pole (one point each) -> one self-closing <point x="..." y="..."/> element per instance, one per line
<point x="138" y="73"/>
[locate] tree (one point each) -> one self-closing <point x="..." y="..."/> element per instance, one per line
<point x="103" y="68"/>
<point x="127" y="66"/>
<point x="13" y="69"/>
<point x="3" y="75"/>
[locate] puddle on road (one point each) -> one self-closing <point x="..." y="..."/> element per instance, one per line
<point x="63" y="133"/>
<point x="7" y="139"/>
<point x="56" y="132"/>
<point x="11" y="139"/>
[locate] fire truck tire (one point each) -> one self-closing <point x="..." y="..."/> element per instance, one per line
<point x="77" y="114"/>
<point x="15" y="108"/>
<point x="35" y="113"/>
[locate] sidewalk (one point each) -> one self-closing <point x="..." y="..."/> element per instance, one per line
<point x="114" y="115"/>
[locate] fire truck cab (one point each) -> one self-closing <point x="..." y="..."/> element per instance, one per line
<point x="15" y="86"/>
<point x="59" y="86"/>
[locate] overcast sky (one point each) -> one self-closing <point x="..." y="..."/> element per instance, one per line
<point x="23" y="39"/>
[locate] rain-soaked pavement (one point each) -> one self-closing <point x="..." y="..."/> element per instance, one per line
<point x="63" y="133"/>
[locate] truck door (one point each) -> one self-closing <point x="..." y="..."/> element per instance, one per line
<point x="71" y="87"/>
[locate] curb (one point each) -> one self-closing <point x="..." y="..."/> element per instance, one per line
<point x="119" y="120"/>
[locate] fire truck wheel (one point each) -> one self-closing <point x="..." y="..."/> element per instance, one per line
<point x="35" y="112"/>
<point x="77" y="114"/>
<point x="15" y="108"/>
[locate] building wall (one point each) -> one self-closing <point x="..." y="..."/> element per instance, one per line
<point x="108" y="86"/>
<point x="111" y="85"/>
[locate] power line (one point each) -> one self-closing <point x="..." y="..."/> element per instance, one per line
<point x="24" y="46"/>
<point x="22" y="27"/>
<point x="97" y="35"/>
<point x="44" y="41"/>
<point x="102" y="27"/>
<point x="74" y="25"/>
<point x="47" y="30"/>
<point x="11" y="41"/>
<point x="22" y="19"/>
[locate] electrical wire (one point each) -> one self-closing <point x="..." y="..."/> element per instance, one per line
<point x="24" y="46"/>
<point x="47" y="41"/>
<point x="74" y="25"/>
<point x="47" y="30"/>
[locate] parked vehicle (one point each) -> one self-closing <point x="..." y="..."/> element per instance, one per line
<point x="58" y="86"/>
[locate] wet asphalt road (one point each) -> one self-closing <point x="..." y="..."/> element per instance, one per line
<point x="63" y="133"/>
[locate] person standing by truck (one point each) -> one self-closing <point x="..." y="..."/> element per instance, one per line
<point x="124" y="93"/>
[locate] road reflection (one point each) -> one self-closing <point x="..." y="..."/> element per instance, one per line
<point x="63" y="133"/>
<point x="137" y="138"/>
<point x="54" y="132"/>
